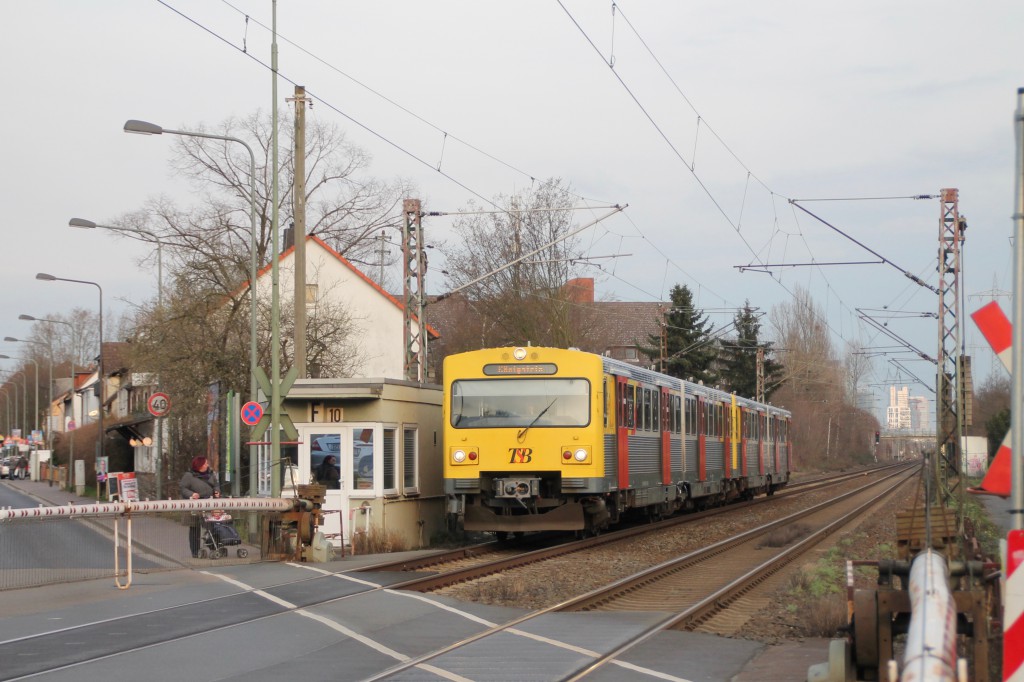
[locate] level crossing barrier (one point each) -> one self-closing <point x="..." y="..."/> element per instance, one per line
<point x="66" y="543"/>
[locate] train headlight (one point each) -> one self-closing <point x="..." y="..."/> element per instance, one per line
<point x="574" y="453"/>
<point x="459" y="456"/>
<point x="519" y="353"/>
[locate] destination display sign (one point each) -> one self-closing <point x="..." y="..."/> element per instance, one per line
<point x="508" y="369"/>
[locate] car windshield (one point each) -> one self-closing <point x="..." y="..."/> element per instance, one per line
<point x="520" y="402"/>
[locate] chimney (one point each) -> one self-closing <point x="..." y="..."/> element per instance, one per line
<point x="580" y="290"/>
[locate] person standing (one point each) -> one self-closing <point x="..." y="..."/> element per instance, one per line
<point x="22" y="467"/>
<point x="198" y="483"/>
<point x="328" y="473"/>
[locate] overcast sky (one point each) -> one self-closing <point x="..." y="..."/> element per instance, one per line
<point x="713" y="117"/>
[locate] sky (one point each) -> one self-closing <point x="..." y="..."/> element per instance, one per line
<point x="706" y="118"/>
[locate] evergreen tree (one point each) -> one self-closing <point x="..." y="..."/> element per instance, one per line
<point x="739" y="357"/>
<point x="690" y="352"/>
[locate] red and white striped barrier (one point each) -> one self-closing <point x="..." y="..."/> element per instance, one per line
<point x="998" y="331"/>
<point x="1013" y="610"/>
<point x="149" y="506"/>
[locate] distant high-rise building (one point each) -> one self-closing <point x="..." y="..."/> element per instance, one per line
<point x="919" y="413"/>
<point x="897" y="415"/>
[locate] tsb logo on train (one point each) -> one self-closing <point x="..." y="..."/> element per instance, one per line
<point x="520" y="455"/>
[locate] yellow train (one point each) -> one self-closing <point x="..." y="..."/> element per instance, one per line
<point x="554" y="439"/>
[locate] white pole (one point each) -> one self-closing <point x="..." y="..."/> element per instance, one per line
<point x="1017" y="345"/>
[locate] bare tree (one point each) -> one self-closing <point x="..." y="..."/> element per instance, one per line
<point x="201" y="333"/>
<point x="829" y="431"/>
<point x="857" y="365"/>
<point x="528" y="301"/>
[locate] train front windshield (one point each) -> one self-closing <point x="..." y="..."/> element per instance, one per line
<point x="520" y="402"/>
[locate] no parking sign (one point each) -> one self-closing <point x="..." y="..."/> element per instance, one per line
<point x="251" y="413"/>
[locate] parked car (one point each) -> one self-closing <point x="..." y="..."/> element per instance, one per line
<point x="331" y="445"/>
<point x="6" y="466"/>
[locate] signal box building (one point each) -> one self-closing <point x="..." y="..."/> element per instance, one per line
<point x="385" y="436"/>
<point x="384" y="432"/>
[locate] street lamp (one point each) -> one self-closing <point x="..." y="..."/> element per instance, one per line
<point x="49" y="386"/>
<point x="9" y="427"/>
<point x="49" y="429"/>
<point x="50" y="278"/>
<point x="11" y="339"/>
<point x="7" y="408"/>
<point x="90" y="225"/>
<point x="24" y="393"/>
<point x="146" y="128"/>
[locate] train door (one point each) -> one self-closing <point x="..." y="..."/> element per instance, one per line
<point x="625" y="421"/>
<point x="665" y="424"/>
<point x="702" y="439"/>
<point x="744" y="417"/>
<point x="759" y="417"/>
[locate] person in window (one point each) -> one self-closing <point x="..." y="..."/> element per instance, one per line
<point x="198" y="483"/>
<point x="328" y="473"/>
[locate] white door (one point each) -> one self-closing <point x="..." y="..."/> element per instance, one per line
<point x="350" y="450"/>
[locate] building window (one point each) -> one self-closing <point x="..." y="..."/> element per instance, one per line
<point x="390" y="462"/>
<point x="410" y="443"/>
<point x="629" y="353"/>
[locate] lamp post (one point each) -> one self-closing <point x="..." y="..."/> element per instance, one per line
<point x="50" y="278"/>
<point x="9" y="426"/>
<point x="49" y="429"/>
<point x="24" y="393"/>
<point x="146" y="128"/>
<point x="7" y="408"/>
<point x="31" y="359"/>
<point x="90" y="225"/>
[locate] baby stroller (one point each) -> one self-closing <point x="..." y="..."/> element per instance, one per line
<point x="219" y="533"/>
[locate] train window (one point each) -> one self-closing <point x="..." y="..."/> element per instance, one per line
<point x="520" y="402"/>
<point x="691" y="417"/>
<point x="656" y="410"/>
<point x="677" y="413"/>
<point x="630" y="407"/>
<point x="647" y="409"/>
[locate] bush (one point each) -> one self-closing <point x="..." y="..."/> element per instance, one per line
<point x="377" y="541"/>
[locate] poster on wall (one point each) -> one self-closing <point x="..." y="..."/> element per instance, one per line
<point x="128" y="486"/>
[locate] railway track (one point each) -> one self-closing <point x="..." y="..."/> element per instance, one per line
<point x="479" y="561"/>
<point x="685" y="598"/>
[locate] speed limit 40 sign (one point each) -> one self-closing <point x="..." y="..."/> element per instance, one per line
<point x="159" y="404"/>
